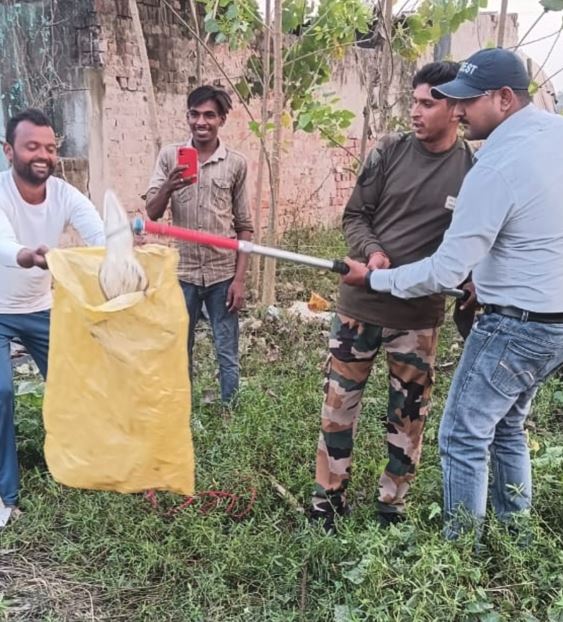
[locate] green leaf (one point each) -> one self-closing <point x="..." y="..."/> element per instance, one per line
<point x="25" y="387"/>
<point x="232" y="11"/>
<point x="342" y="613"/>
<point x="303" y="121"/>
<point x="435" y="510"/>
<point x="552" y="458"/>
<point x="286" y="119"/>
<point x="243" y="89"/>
<point x="358" y="573"/>
<point x="211" y="25"/>
<point x="254" y="127"/>
<point x="478" y="607"/>
<point x="552" y="5"/>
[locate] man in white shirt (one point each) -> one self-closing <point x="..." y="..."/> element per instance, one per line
<point x="34" y="210"/>
<point x="507" y="229"/>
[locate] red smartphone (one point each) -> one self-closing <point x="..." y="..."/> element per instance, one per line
<point x="188" y="157"/>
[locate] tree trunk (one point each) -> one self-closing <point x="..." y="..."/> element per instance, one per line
<point x="367" y="118"/>
<point x="502" y="23"/>
<point x="256" y="259"/>
<point x="269" y="281"/>
<point x="386" y="73"/>
<point x="193" y="10"/>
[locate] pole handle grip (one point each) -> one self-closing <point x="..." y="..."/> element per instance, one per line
<point x="340" y="267"/>
<point x="461" y="294"/>
<point x="137" y="225"/>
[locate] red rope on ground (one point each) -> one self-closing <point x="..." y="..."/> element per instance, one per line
<point x="209" y="500"/>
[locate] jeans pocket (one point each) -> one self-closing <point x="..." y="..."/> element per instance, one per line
<point x="521" y="366"/>
<point x="486" y="325"/>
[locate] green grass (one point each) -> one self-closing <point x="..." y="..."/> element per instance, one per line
<point x="80" y="555"/>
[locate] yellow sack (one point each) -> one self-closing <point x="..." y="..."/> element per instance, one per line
<point x="117" y="398"/>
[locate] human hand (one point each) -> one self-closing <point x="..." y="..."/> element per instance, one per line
<point x="175" y="180"/>
<point x="139" y="239"/>
<point x="33" y="258"/>
<point x="357" y="273"/>
<point x="378" y="260"/>
<point x="470" y="303"/>
<point x="236" y="296"/>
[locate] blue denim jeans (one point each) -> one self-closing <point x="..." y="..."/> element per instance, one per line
<point x="503" y="363"/>
<point x="33" y="331"/>
<point x="225" y="327"/>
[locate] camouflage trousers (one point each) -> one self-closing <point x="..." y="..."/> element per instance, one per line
<point x="410" y="358"/>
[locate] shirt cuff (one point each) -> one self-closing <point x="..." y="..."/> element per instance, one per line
<point x="381" y="280"/>
<point x="9" y="254"/>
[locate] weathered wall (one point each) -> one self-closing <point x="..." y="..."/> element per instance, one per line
<point x="115" y="74"/>
<point x="47" y="48"/>
<point x="316" y="180"/>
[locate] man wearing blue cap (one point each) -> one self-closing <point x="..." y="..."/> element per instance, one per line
<point x="507" y="228"/>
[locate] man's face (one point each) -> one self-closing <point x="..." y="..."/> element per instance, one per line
<point x="204" y="121"/>
<point x="431" y="119"/>
<point x="34" y="153"/>
<point x="481" y="115"/>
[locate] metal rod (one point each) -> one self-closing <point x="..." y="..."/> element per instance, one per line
<point x="244" y="246"/>
<point x="461" y="294"/>
<point x="278" y="253"/>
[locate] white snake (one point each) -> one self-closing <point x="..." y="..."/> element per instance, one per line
<point x="120" y="273"/>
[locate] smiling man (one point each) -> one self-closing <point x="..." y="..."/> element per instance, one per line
<point x="35" y="208"/>
<point x="508" y="229"/>
<point x="217" y="202"/>
<point x="399" y="210"/>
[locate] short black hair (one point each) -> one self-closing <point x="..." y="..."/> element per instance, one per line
<point x="523" y="96"/>
<point x="436" y="73"/>
<point x="32" y="115"/>
<point x="206" y="93"/>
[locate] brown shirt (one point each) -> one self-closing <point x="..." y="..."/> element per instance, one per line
<point x="402" y="204"/>
<point x="217" y="203"/>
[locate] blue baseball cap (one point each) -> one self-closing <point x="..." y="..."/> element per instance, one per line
<point x="486" y="70"/>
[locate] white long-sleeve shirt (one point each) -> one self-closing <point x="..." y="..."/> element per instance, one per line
<point x="507" y="225"/>
<point x="22" y="225"/>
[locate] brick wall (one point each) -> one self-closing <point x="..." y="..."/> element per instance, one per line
<point x="125" y="69"/>
<point x="316" y="179"/>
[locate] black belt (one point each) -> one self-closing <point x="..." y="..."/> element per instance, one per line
<point x="525" y="316"/>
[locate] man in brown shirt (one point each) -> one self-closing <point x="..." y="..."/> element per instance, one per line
<point x="217" y="202"/>
<point x="398" y="212"/>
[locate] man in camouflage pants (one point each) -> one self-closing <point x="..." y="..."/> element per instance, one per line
<point x="398" y="212"/>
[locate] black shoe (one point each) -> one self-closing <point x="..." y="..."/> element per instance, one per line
<point x="386" y="519"/>
<point x="325" y="513"/>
